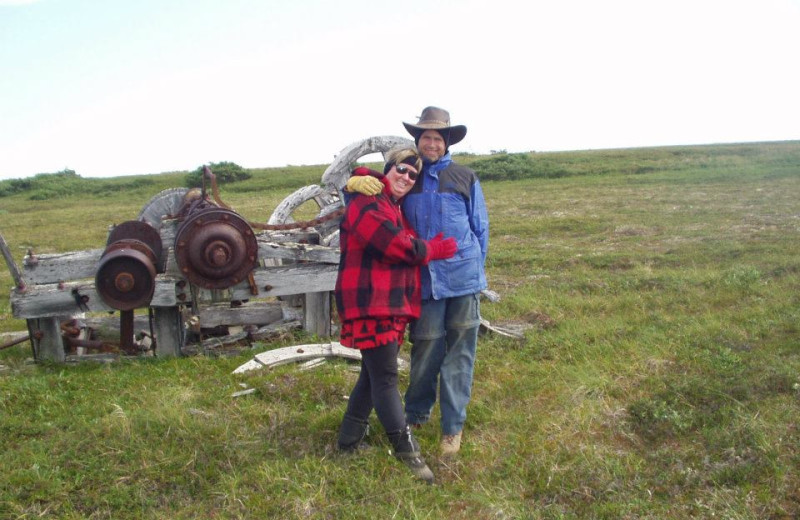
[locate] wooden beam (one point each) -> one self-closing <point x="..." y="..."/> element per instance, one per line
<point x="60" y="300"/>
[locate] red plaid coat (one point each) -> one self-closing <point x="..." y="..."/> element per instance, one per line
<point x="378" y="270"/>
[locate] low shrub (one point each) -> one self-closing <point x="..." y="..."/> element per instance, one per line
<point x="225" y="172"/>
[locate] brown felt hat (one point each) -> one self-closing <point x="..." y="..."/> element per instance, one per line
<point x="435" y="118"/>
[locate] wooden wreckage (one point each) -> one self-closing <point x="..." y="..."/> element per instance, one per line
<point x="190" y="264"/>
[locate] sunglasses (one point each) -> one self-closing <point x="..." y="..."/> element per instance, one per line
<point x="402" y="169"/>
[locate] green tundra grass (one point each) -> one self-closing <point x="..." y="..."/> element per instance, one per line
<point x="659" y="375"/>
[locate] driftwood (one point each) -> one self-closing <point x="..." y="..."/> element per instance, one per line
<point x="503" y="331"/>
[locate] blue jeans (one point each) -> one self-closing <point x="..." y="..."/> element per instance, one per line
<point x="444" y="338"/>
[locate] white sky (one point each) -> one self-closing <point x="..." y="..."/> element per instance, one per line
<point x="120" y="87"/>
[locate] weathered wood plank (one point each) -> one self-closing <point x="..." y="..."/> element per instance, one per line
<point x="58" y="299"/>
<point x="47" y="343"/>
<point x="82" y="265"/>
<point x="169" y="331"/>
<point x="286" y="280"/>
<point x="251" y="313"/>
<point x="284" y="355"/>
<point x="297" y="252"/>
<point x="61" y="267"/>
<point x="317" y="314"/>
<point x="19" y="282"/>
<point x="283" y="212"/>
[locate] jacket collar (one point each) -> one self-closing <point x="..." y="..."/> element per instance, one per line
<point x="437" y="166"/>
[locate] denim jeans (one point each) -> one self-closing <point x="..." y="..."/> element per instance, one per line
<point x="444" y="340"/>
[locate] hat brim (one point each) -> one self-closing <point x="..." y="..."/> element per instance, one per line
<point x="456" y="133"/>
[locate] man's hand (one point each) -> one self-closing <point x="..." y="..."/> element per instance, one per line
<point x="364" y="184"/>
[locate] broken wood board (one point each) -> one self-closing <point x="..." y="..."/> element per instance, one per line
<point x="282" y="356"/>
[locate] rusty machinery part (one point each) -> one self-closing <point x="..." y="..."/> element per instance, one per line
<point x="126" y="275"/>
<point x="207" y="175"/>
<point x="215" y="248"/>
<point x="16" y="341"/>
<point x="303" y="224"/>
<point x="139" y="231"/>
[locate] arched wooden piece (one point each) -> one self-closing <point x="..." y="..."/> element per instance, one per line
<point x="282" y="356"/>
<point x="283" y="212"/>
<point x="338" y="172"/>
<point x="167" y="202"/>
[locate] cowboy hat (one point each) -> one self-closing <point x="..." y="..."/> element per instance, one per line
<point x="435" y="118"/>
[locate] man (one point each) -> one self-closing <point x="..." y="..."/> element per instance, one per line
<point x="447" y="198"/>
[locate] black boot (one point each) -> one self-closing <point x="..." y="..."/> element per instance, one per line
<point x="406" y="449"/>
<point x="352" y="432"/>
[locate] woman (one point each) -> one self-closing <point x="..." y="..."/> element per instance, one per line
<point x="377" y="293"/>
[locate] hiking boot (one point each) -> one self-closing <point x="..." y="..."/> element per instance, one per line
<point x="450" y="444"/>
<point x="406" y="449"/>
<point x="351" y="433"/>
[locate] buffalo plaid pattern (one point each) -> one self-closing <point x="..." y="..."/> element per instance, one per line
<point x="380" y="254"/>
<point x="373" y="332"/>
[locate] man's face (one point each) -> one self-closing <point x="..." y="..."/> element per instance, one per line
<point x="431" y="145"/>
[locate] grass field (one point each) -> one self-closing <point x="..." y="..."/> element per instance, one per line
<point x="659" y="376"/>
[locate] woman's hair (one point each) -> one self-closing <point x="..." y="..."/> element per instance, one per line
<point x="408" y="156"/>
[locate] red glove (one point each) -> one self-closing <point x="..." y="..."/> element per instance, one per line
<point x="440" y="248"/>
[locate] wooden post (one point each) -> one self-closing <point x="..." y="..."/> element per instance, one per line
<point x="48" y="345"/>
<point x="169" y="331"/>
<point x="317" y="313"/>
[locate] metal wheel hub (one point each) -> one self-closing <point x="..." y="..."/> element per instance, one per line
<point x="215" y="248"/>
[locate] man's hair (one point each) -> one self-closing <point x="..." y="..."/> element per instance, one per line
<point x="408" y="156"/>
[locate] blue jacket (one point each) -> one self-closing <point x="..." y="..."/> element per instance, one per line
<point x="448" y="198"/>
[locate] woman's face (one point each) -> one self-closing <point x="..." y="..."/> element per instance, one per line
<point x="400" y="179"/>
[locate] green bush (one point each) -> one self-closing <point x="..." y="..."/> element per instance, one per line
<point x="43" y="186"/>
<point x="512" y="166"/>
<point x="66" y="183"/>
<point x="225" y="172"/>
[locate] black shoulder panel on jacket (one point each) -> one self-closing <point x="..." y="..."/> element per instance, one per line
<point x="457" y="179"/>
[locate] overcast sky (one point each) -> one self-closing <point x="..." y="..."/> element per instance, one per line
<point x="122" y="87"/>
